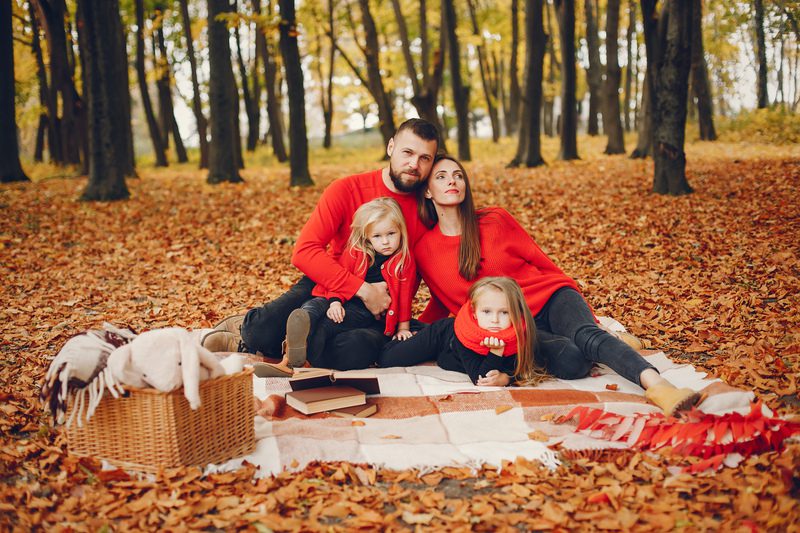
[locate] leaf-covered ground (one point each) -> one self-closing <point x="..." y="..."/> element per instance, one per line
<point x="712" y="277"/>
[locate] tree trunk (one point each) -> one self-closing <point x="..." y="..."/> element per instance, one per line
<point x="512" y="112"/>
<point x="668" y="40"/>
<point x="486" y="75"/>
<point x="566" y="26"/>
<point x="223" y="159"/>
<point x="326" y="85"/>
<point x="629" y="69"/>
<point x="41" y="75"/>
<point x="251" y="107"/>
<point x="612" y="123"/>
<point x="270" y="85"/>
<point x="594" y="76"/>
<point x="699" y="77"/>
<point x="69" y="131"/>
<point x="549" y="96"/>
<point x="298" y="141"/>
<point x="374" y="77"/>
<point x="761" y="49"/>
<point x="460" y="92"/>
<point x="529" y="149"/>
<point x="164" y="85"/>
<point x="103" y="75"/>
<point x="197" y="107"/>
<point x="644" y="144"/>
<point x="10" y="167"/>
<point x="155" y="133"/>
<point x="426" y="90"/>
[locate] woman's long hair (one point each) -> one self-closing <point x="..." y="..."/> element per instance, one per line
<point x="366" y="216"/>
<point x="527" y="371"/>
<point x="469" y="252"/>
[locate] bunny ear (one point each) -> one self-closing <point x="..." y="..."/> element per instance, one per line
<point x="210" y="361"/>
<point x="120" y="362"/>
<point x="190" y="367"/>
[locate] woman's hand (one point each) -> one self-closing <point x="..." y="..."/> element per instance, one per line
<point x="336" y="312"/>
<point x="495" y="345"/>
<point x="493" y="378"/>
<point x="402" y="334"/>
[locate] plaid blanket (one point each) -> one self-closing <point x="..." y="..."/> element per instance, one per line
<point x="429" y="418"/>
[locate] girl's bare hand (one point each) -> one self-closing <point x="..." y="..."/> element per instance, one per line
<point x="493" y="378"/>
<point x="336" y="312"/>
<point x="403" y="334"/>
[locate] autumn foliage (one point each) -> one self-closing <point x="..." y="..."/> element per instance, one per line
<point x="712" y="278"/>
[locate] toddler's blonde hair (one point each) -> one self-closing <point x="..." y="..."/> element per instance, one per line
<point x="365" y="218"/>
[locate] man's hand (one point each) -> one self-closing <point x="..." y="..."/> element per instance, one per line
<point x="336" y="312"/>
<point x="495" y="345"/>
<point x="493" y="378"/>
<point x="375" y="297"/>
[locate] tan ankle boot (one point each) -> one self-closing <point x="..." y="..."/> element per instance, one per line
<point x="670" y="398"/>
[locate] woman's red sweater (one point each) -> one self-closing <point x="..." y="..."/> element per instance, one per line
<point x="506" y="250"/>
<point x="402" y="285"/>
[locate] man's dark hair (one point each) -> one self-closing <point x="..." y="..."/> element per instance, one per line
<point x="421" y="128"/>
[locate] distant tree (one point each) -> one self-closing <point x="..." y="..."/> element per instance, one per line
<point x="644" y="143"/>
<point x="159" y="148"/>
<point x="460" y="91"/>
<point x="167" y="122"/>
<point x="10" y="168"/>
<point x="197" y="107"/>
<point x="266" y="52"/>
<point x="42" y="128"/>
<point x="223" y="162"/>
<point x="594" y="75"/>
<point x="514" y="108"/>
<point x="66" y="116"/>
<point x="761" y="52"/>
<point x="569" y="118"/>
<point x="701" y="88"/>
<point x="612" y="122"/>
<point x="668" y="40"/>
<point x="325" y="20"/>
<point x="104" y="69"/>
<point x="552" y="67"/>
<point x="425" y="82"/>
<point x="529" y="148"/>
<point x="298" y="140"/>
<point x="630" y="67"/>
<point x="488" y="80"/>
<point x="251" y="90"/>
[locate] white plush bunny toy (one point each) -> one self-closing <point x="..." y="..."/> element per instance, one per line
<point x="165" y="359"/>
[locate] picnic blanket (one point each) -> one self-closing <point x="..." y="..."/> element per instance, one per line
<point x="430" y="418"/>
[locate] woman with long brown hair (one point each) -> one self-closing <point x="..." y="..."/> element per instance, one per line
<point x="465" y="244"/>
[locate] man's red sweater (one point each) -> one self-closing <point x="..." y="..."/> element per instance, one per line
<point x="325" y="235"/>
<point x="401" y="285"/>
<point x="506" y="250"/>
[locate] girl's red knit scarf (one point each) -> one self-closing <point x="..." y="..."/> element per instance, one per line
<point x="471" y="334"/>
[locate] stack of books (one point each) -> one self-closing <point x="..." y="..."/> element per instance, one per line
<point x="320" y="390"/>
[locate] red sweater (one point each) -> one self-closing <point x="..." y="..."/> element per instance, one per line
<point x="401" y="288"/>
<point x="506" y="250"/>
<point x="325" y="235"/>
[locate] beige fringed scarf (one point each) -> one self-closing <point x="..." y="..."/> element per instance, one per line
<point x="80" y="368"/>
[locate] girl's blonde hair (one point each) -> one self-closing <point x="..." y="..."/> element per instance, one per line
<point x="367" y="216"/>
<point x="527" y="371"/>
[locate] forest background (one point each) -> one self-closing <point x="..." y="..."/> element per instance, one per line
<point x="170" y="105"/>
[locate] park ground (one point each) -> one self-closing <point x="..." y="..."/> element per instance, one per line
<point x="712" y="278"/>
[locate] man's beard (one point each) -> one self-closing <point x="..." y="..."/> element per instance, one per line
<point x="401" y="185"/>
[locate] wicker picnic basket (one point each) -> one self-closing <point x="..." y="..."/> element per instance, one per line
<point x="148" y="429"/>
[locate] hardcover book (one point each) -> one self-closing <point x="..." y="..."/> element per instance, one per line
<point x="317" y="400"/>
<point x="321" y="377"/>
<point x="358" y="411"/>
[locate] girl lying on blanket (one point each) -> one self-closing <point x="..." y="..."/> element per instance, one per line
<point x="377" y="251"/>
<point x="491" y="339"/>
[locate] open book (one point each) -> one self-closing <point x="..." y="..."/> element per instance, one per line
<point x="322" y="377"/>
<point x="321" y="399"/>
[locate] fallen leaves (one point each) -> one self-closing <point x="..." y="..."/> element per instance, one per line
<point x="713" y="275"/>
